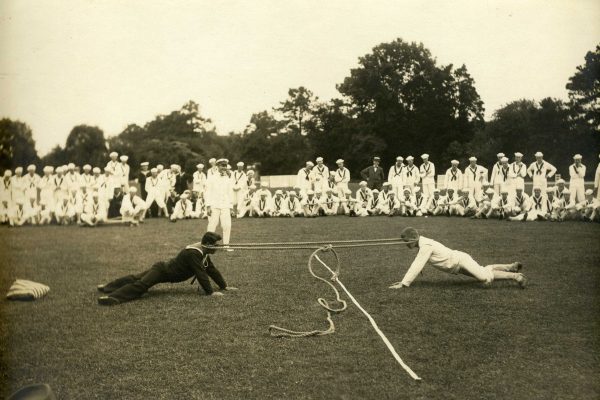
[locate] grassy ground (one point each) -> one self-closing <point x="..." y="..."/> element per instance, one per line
<point x="466" y="342"/>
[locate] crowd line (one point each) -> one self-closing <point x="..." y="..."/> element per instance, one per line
<point x="92" y="196"/>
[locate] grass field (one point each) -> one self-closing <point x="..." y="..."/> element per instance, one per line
<point x="466" y="342"/>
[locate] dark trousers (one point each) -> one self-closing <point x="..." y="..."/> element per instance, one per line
<point x="131" y="287"/>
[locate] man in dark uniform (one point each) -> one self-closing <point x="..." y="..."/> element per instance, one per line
<point x="114" y="205"/>
<point x="141" y="179"/>
<point x="373" y="175"/>
<point x="193" y="261"/>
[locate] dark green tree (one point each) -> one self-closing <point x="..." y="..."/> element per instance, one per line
<point x="584" y="92"/>
<point x="86" y="145"/>
<point x="17" y="147"/>
<point x="297" y="109"/>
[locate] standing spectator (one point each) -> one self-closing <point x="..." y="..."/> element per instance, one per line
<point x="454" y="178"/>
<point x="474" y="176"/>
<point x="540" y="171"/>
<point x="427" y="171"/>
<point x="123" y="172"/>
<point x="411" y="175"/>
<point x="517" y="174"/>
<point x="597" y="182"/>
<point x="320" y="175"/>
<point x="304" y="179"/>
<point x="494" y="179"/>
<point x="30" y="182"/>
<point x="373" y="174"/>
<point x="199" y="179"/>
<point x="219" y="191"/>
<point x="341" y="178"/>
<point x="240" y="182"/>
<point x="141" y="178"/>
<point x="396" y="176"/>
<point x="576" y="184"/>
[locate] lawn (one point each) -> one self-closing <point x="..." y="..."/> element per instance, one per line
<point x="466" y="342"/>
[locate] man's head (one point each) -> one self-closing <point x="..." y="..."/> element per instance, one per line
<point x="518" y="157"/>
<point x="399" y="160"/>
<point x="222" y="165"/>
<point x="499" y="156"/>
<point x="539" y="156"/>
<point x="210" y="239"/>
<point x="473" y="161"/>
<point x="240" y="166"/>
<point x="144" y="165"/>
<point x="376" y="161"/>
<point x="411" y="236"/>
<point x="410" y="160"/>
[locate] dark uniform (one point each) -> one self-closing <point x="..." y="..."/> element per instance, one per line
<point x="190" y="262"/>
<point x="374" y="177"/>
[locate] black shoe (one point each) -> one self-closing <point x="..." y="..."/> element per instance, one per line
<point x="108" y="301"/>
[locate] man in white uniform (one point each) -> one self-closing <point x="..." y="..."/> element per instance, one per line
<point x="538" y="209"/>
<point x="517" y="174"/>
<point x="396" y="176"/>
<point x="293" y="208"/>
<point x="199" y="179"/>
<point x="453" y="262"/>
<point x="304" y="179"/>
<point x="133" y="207"/>
<point x="411" y="175"/>
<point x="155" y="194"/>
<point x="183" y="208"/>
<point x="17" y="186"/>
<point x="341" y="178"/>
<point x="496" y="173"/>
<point x="427" y="172"/>
<point x="330" y="203"/>
<point x="589" y="209"/>
<point x="240" y="186"/>
<point x="473" y="177"/>
<point x="540" y="171"/>
<point x="597" y="182"/>
<point x="31" y="182"/>
<point x="320" y="175"/>
<point x="219" y="201"/>
<point x="454" y="178"/>
<point x="95" y="212"/>
<point x="577" y="184"/>
<point x="310" y="205"/>
<point x="435" y="204"/>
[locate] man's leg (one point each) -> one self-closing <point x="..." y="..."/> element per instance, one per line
<point x="213" y="220"/>
<point x="514" y="267"/>
<point x="136" y="286"/>
<point x="226" y="225"/>
<point x="487" y="275"/>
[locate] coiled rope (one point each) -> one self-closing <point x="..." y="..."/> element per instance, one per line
<point x="321" y="247"/>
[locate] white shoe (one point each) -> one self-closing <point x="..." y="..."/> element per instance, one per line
<point x="227" y="248"/>
<point x="397" y="285"/>
<point x="521" y="280"/>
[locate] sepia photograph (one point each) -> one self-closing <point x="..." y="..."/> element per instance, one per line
<point x="388" y="199"/>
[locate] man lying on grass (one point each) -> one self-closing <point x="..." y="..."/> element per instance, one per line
<point x="453" y="262"/>
<point x="193" y="260"/>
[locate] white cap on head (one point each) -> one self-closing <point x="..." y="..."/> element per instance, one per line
<point x="212" y="161"/>
<point x="329" y="190"/>
<point x="375" y="191"/>
<point x="200" y="165"/>
<point x="485" y="183"/>
<point x="376" y="158"/>
<point x="154" y="170"/>
<point x="96" y="170"/>
<point x="331" y="173"/>
<point x="184" y="196"/>
<point x="18" y="169"/>
<point x="95" y="193"/>
<point x="133" y="190"/>
<point x="87" y="167"/>
<point x="252" y="187"/>
<point x="517" y="154"/>
<point x="399" y="158"/>
<point x="499" y="155"/>
<point x="160" y="167"/>
<point x="319" y="159"/>
<point x="347" y="191"/>
<point x="278" y="191"/>
<point x="31" y="167"/>
<point x="339" y="161"/>
<point x="450" y="189"/>
<point x="310" y="164"/>
<point x="47" y="168"/>
<point x="410" y="158"/>
<point x="406" y="189"/>
<point x="251" y="172"/>
<point x="416" y="189"/>
<point x="577" y="157"/>
<point x="425" y="156"/>
<point x="71" y="166"/>
<point x="114" y="154"/>
<point x="106" y="169"/>
<point x="386" y="184"/>
<point x="549" y="190"/>
<point x="362" y="183"/>
<point x="145" y="164"/>
<point x="454" y="162"/>
<point x="318" y="191"/>
<point x="504" y="190"/>
<point x="8" y="172"/>
<point x="561" y="180"/>
<point x="291" y="193"/>
<point x="173" y="166"/>
<point x="537" y="188"/>
<point x="589" y="192"/>
<point x="539" y="154"/>
<point x="240" y="164"/>
<point x="310" y="192"/>
<point x="436" y="190"/>
<point x="472" y="158"/>
<point x="490" y="191"/>
<point x="566" y="191"/>
<point x="504" y="159"/>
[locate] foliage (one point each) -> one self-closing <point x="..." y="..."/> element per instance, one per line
<point x="17" y="147"/>
<point x="584" y="91"/>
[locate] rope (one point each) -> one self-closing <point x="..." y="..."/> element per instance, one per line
<point x="277" y="331"/>
<point x="308" y="246"/>
<point x="319" y="242"/>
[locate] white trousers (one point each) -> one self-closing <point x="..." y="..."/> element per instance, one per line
<point x="466" y="262"/>
<point x="577" y="189"/>
<point x="222" y="215"/>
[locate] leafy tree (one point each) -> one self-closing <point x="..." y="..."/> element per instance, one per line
<point x="17" y="147"/>
<point x="297" y="109"/>
<point x="584" y="91"/>
<point x="86" y="145"/>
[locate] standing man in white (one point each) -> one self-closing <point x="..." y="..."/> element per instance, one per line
<point x="218" y="197"/>
<point x="427" y="171"/>
<point x="320" y="175"/>
<point x="240" y="186"/>
<point x="199" y="179"/>
<point x="576" y="184"/>
<point x="341" y="178"/>
<point x="540" y="171"/>
<point x="597" y="182"/>
<point x="517" y="174"/>
<point x="411" y="175"/>
<point x="473" y="178"/>
<point x="496" y="173"/>
<point x="304" y="179"/>
<point x="396" y="176"/>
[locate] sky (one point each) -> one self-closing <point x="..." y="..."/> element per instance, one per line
<point x="111" y="63"/>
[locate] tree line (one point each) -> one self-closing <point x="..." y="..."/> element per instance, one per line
<point x="398" y="101"/>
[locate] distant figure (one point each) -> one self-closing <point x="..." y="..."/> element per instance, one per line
<point x="373" y="175"/>
<point x="114" y="206"/>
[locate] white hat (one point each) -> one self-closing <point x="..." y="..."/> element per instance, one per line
<point x="392" y="194"/>
<point x="184" y="196"/>
<point x="71" y="166"/>
<point x="517" y="154"/>
<point x="87" y="167"/>
<point x="106" y="169"/>
<point x="449" y="189"/>
<point x="386" y="184"/>
<point x="376" y="158"/>
<point x="329" y="190"/>
<point x="537" y="188"/>
<point x="519" y="188"/>
<point x="472" y="158"/>
<point x="133" y="190"/>
<point x="410" y="158"/>
<point x="374" y="191"/>
<point x="310" y="192"/>
<point x="331" y="173"/>
<point x="406" y="189"/>
<point x="114" y="154"/>
<point x="318" y="191"/>
<point x="486" y="183"/>
<point x="490" y="191"/>
<point x="160" y="167"/>
<point x="173" y="166"/>
<point x="200" y="165"/>
<point x="339" y="161"/>
<point x="561" y="180"/>
<point x="436" y="190"/>
<point x="47" y="168"/>
<point x="319" y="159"/>
<point x="399" y="158"/>
<point x="96" y="170"/>
<point x="454" y="162"/>
<point x="228" y="167"/>
<point x="504" y="190"/>
<point x="362" y="183"/>
<point x="8" y="172"/>
<point x="278" y="191"/>
<point x="589" y="192"/>
<point x="577" y="157"/>
<point x="504" y="159"/>
<point x="145" y="164"/>
<point x="212" y="161"/>
<point x="252" y="187"/>
<point x="292" y="193"/>
<point x="95" y="193"/>
<point x="222" y="161"/>
<point x="31" y="167"/>
<point x="539" y="154"/>
<point x="154" y="170"/>
<point x="347" y="191"/>
<point x="417" y="189"/>
<point x="500" y="155"/>
<point x="549" y="190"/>
<point x="425" y="156"/>
<point x="18" y="169"/>
<point x="251" y="172"/>
<point x="240" y="164"/>
<point x="310" y="164"/>
<point x="566" y="191"/>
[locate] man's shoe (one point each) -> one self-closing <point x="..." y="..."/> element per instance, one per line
<point x="100" y="288"/>
<point x="522" y="281"/>
<point x="517" y="266"/>
<point x="108" y="301"/>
